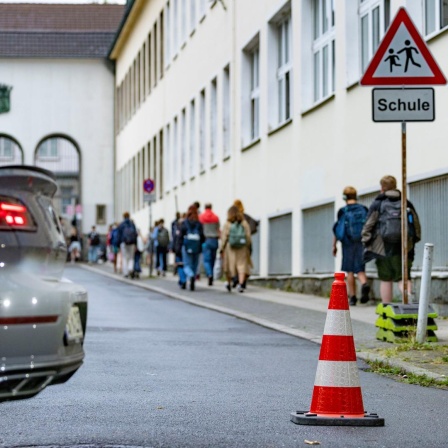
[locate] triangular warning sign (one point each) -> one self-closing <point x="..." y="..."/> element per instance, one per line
<point x="402" y="58"/>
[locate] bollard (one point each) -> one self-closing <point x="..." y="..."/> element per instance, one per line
<point x="425" y="289"/>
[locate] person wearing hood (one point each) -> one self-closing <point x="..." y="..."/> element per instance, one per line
<point x="381" y="236"/>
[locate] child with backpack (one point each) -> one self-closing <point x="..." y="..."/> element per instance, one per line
<point x="348" y="230"/>
<point x="236" y="242"/>
<point x="381" y="237"/>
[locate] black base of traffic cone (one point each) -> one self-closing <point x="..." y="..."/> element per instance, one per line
<point x="306" y="418"/>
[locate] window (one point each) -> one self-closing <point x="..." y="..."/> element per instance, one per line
<point x="175" y="153"/>
<point x="202" y="131"/>
<point x="183" y="23"/>
<point x="284" y="70"/>
<point x="168" y="157"/>
<point x="193" y="18"/>
<point x="48" y="149"/>
<point x="255" y="94"/>
<point x="167" y="35"/>
<point x="6" y="148"/>
<point x="161" y="50"/>
<point x="375" y="16"/>
<point x="213" y="122"/>
<point x="183" y="146"/>
<point x="175" y="26"/>
<point x="100" y="214"/>
<point x="202" y="8"/>
<point x="436" y="15"/>
<point x="192" y="138"/>
<point x="323" y="49"/>
<point x="226" y="112"/>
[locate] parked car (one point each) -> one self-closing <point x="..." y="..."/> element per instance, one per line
<point x="42" y="315"/>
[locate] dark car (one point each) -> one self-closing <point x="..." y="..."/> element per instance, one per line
<point x="42" y="315"/>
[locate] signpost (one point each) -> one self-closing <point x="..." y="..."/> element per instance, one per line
<point x="403" y="59"/>
<point x="149" y="196"/>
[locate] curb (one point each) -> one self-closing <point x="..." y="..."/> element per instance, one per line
<point x="365" y="356"/>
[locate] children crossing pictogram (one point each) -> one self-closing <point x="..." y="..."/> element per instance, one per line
<point x="403" y="57"/>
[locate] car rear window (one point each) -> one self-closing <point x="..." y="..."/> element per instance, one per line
<point x="14" y="215"/>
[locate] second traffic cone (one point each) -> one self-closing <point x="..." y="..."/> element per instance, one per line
<point x="337" y="397"/>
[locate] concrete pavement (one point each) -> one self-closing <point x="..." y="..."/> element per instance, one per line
<point x="296" y="314"/>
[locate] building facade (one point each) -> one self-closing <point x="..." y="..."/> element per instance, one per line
<point x="53" y="58"/>
<point x="260" y="101"/>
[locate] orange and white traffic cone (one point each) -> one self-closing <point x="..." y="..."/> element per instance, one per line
<point x="337" y="397"/>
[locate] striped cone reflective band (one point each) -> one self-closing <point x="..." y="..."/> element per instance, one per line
<point x="337" y="398"/>
<point x="337" y="390"/>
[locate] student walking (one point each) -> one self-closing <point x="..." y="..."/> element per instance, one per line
<point x="192" y="239"/>
<point x="139" y="248"/>
<point x="210" y="222"/>
<point x="127" y="238"/>
<point x="348" y="230"/>
<point x="94" y="245"/>
<point x="381" y="236"/>
<point x="75" y="245"/>
<point x="235" y="244"/>
<point x="253" y="225"/>
<point x="162" y="247"/>
<point x="177" y="243"/>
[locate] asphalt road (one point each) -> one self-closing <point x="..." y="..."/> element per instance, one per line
<point x="163" y="373"/>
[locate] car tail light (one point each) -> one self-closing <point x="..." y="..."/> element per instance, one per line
<point x="15" y="215"/>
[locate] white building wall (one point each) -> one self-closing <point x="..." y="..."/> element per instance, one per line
<point x="73" y="98"/>
<point x="307" y="161"/>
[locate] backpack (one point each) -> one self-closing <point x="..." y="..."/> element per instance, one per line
<point x="390" y="221"/>
<point x="94" y="239"/>
<point x="114" y="238"/>
<point x="350" y="224"/>
<point x="129" y="234"/>
<point x="192" y="240"/>
<point x="163" y="237"/>
<point x="237" y="235"/>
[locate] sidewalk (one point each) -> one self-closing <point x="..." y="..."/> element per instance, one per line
<point x="296" y="314"/>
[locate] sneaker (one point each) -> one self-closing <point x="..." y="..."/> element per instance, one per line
<point x="240" y="288"/>
<point x="182" y="285"/>
<point x="365" y="290"/>
<point x="192" y="284"/>
<point x="210" y="281"/>
<point x="234" y="282"/>
<point x="228" y="287"/>
<point x="353" y="300"/>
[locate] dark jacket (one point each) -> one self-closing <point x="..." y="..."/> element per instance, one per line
<point x="186" y="225"/>
<point x="125" y="223"/>
<point x="374" y="245"/>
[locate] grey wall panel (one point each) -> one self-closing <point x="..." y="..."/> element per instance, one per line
<point x="280" y="245"/>
<point x="317" y="239"/>
<point x="430" y="200"/>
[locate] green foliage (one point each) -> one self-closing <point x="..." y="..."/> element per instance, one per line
<point x="398" y="373"/>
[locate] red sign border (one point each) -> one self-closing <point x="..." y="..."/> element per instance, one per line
<point x="368" y="79"/>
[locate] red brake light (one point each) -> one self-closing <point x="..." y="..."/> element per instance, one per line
<point x="14" y="215"/>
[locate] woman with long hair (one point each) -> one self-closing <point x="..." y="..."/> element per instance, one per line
<point x="235" y="243"/>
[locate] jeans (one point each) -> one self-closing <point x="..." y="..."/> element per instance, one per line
<point x="161" y="258"/>
<point x="93" y="254"/>
<point x="180" y="271"/>
<point x="209" y="250"/>
<point x="190" y="263"/>
<point x="137" y="257"/>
